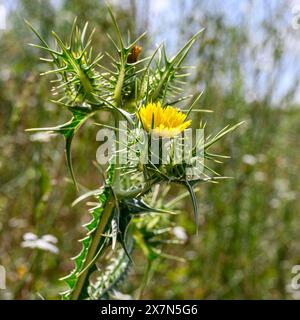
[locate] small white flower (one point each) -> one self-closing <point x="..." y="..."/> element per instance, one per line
<point x="29" y="236"/>
<point x="49" y="238"/>
<point x="46" y="242"/>
<point x="249" y="159"/>
<point x="180" y="233"/>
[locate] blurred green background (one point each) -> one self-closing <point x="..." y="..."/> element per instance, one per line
<point x="247" y="61"/>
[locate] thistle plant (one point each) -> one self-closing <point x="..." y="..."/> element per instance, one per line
<point x="144" y="159"/>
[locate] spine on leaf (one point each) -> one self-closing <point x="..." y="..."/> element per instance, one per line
<point x="92" y="246"/>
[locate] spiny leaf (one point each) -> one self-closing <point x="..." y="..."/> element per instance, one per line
<point x="95" y="192"/>
<point x="117" y="270"/>
<point x="80" y="259"/>
<point x="168" y="72"/>
<point x="138" y="206"/>
<point x="194" y="103"/>
<point x="68" y="130"/>
<point x="221" y="134"/>
<point x="74" y="66"/>
<point x="194" y="202"/>
<point x="117" y="30"/>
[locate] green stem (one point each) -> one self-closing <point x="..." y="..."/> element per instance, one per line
<point x="108" y="209"/>
<point x="119" y="86"/>
<point x="92" y="251"/>
<point x="93" y="247"/>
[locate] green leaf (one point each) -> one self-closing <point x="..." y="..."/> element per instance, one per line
<point x="110" y="278"/>
<point x="77" y="80"/>
<point x="85" y="260"/>
<point x="221" y="134"/>
<point x="194" y="202"/>
<point x="166" y="73"/>
<point x="138" y="206"/>
<point x="68" y="130"/>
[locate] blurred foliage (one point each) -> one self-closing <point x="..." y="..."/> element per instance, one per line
<point x="248" y="240"/>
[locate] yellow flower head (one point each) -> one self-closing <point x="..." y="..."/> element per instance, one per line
<point x="165" y="122"/>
